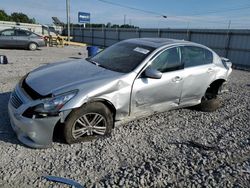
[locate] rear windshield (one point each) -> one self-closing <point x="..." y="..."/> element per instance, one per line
<point x="122" y="57"/>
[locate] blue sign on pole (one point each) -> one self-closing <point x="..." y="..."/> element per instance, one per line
<point x="83" y="17"/>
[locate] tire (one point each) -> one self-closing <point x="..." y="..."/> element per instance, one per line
<point x="32" y="46"/>
<point x="79" y="124"/>
<point x="209" y="105"/>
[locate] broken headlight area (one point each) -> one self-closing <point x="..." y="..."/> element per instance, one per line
<point x="50" y="106"/>
<point x="32" y="93"/>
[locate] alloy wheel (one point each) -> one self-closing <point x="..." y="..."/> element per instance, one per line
<point x="89" y="124"/>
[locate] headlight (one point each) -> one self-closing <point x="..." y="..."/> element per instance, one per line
<point x="54" y="104"/>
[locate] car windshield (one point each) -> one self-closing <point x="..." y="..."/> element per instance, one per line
<point x="122" y="57"/>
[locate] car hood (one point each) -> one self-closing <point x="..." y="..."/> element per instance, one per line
<point x="57" y="76"/>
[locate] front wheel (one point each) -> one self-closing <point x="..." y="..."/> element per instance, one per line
<point x="88" y="122"/>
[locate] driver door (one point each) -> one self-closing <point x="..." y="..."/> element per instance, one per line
<point x="151" y="95"/>
<point x="7" y="38"/>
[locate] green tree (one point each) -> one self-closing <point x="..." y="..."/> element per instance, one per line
<point x="4" y="16"/>
<point x="108" y="24"/>
<point x="21" y="17"/>
<point x="115" y="26"/>
<point x="128" y="26"/>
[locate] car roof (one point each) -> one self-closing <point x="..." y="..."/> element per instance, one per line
<point x="16" y="29"/>
<point x="158" y="42"/>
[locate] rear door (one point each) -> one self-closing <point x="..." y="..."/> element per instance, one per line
<point x="155" y="95"/>
<point x="22" y="38"/>
<point x="198" y="74"/>
<point x="7" y="38"/>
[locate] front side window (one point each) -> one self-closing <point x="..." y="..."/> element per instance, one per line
<point x="8" y="33"/>
<point x="168" y="60"/>
<point x="122" y="57"/>
<point x="195" y="56"/>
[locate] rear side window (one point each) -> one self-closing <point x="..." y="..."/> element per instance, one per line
<point x="22" y="33"/>
<point x="195" y="56"/>
<point x="8" y="33"/>
<point x="34" y="35"/>
<point x="208" y="56"/>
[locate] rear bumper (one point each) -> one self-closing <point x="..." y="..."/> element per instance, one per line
<point x="41" y="43"/>
<point x="223" y="88"/>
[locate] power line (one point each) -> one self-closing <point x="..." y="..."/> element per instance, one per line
<point x="133" y="8"/>
<point x="174" y="16"/>
<point x="183" y="18"/>
<point x="224" y="10"/>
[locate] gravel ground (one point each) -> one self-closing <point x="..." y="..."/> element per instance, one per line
<point x="180" y="148"/>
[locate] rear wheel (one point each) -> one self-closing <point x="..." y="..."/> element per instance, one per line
<point x="32" y="46"/>
<point x="210" y="105"/>
<point x="210" y="101"/>
<point x="88" y="122"/>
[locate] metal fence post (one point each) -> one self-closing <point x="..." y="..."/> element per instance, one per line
<point x="118" y="35"/>
<point x="139" y="32"/>
<point x="227" y="46"/>
<point x="104" y="37"/>
<point x="92" y="37"/>
<point x="159" y="33"/>
<point x="189" y="33"/>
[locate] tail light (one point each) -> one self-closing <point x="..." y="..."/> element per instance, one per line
<point x="226" y="62"/>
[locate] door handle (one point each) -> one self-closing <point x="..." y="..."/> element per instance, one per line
<point x="177" y="79"/>
<point x="210" y="70"/>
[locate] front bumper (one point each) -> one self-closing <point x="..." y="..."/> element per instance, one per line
<point x="33" y="132"/>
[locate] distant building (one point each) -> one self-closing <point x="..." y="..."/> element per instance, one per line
<point x="36" y="28"/>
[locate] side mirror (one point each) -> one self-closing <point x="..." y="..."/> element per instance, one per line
<point x="152" y="73"/>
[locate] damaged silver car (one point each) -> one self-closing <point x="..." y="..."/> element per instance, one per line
<point x="133" y="78"/>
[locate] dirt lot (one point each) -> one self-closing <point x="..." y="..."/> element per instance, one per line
<point x="180" y="148"/>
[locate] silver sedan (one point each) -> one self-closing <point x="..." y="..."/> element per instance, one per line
<point x="133" y="78"/>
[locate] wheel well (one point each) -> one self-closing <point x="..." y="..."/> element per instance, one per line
<point x="58" y="132"/>
<point x="32" y="42"/>
<point x="214" y="87"/>
<point x="110" y="106"/>
<point x="58" y="129"/>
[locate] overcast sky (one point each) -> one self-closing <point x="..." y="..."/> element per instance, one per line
<point x="180" y="13"/>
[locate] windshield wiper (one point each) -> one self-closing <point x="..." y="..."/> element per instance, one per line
<point x="95" y="63"/>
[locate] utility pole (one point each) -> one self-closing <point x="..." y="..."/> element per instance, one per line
<point x="228" y="38"/>
<point x="68" y="17"/>
<point x="165" y="17"/>
<point x="124" y="20"/>
<point x="229" y="25"/>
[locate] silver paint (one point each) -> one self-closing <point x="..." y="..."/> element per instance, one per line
<point x="130" y="95"/>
